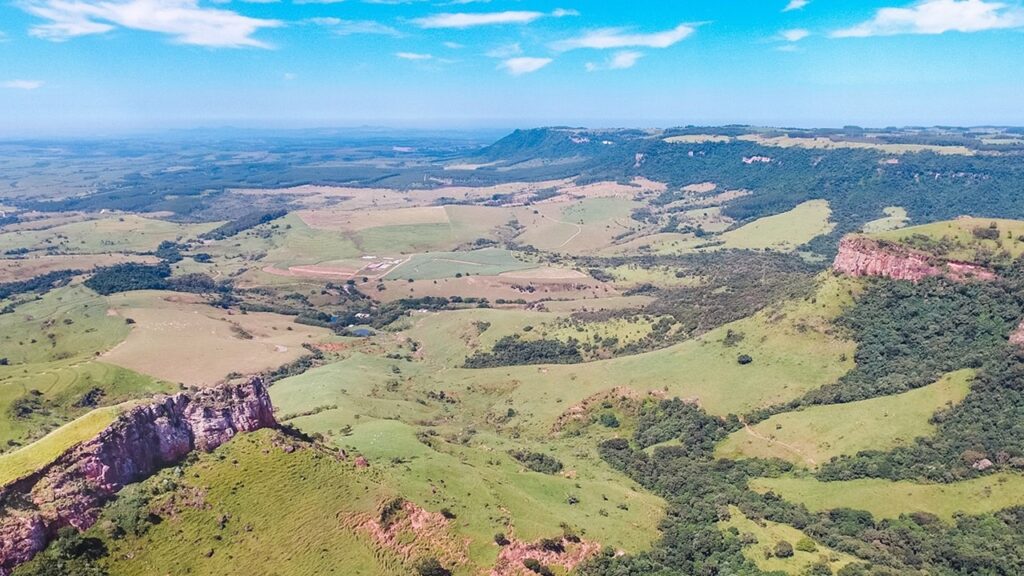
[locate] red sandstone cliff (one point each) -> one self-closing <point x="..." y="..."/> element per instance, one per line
<point x="72" y="490"/>
<point x="860" y="256"/>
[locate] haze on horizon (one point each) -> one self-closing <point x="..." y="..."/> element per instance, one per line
<point x="123" y="66"/>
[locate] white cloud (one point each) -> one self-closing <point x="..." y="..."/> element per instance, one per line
<point x="505" y="51"/>
<point x="351" y="27"/>
<point x="524" y="65"/>
<point x="625" y="59"/>
<point x="413" y="56"/>
<point x="466" y="20"/>
<point x="184" y="20"/>
<point x="619" y="38"/>
<point x="937" y="17"/>
<point x="317" y="1"/>
<point x="795" y="5"/>
<point x="618" y="61"/>
<point x="22" y="84"/>
<point x="453" y="45"/>
<point x="563" y="12"/>
<point x="794" y="35"/>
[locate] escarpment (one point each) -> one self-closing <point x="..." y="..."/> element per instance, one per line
<point x="860" y="256"/>
<point x="72" y="489"/>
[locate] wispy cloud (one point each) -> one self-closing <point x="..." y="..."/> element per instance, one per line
<point x="472" y="19"/>
<point x="413" y="56"/>
<point x="466" y="20"/>
<point x="351" y="27"/>
<point x="937" y="17"/>
<point x="794" y="35"/>
<point x="453" y="45"/>
<point x="619" y="38"/>
<point x="184" y="20"/>
<point x="796" y="5"/>
<point x="505" y="51"/>
<point x="563" y="12"/>
<point x="524" y="65"/>
<point x="22" y="84"/>
<point x="618" y="61"/>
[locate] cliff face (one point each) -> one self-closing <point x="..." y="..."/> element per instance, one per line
<point x="72" y="490"/>
<point x="859" y="256"/>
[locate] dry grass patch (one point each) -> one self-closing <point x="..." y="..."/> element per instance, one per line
<point x="15" y="269"/>
<point x="179" y="339"/>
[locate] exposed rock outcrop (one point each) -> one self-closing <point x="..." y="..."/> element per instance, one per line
<point x="511" y="557"/>
<point x="860" y="256"/>
<point x="72" y="490"/>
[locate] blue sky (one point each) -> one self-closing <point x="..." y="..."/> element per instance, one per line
<point x="108" y="66"/>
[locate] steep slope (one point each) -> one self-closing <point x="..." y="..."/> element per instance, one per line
<point x="71" y="490"/>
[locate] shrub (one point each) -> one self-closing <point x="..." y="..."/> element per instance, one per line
<point x="431" y="567"/>
<point x="537" y="462"/>
<point x="783" y="549"/>
<point x="805" y="544"/>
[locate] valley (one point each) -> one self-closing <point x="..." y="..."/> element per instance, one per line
<point x="697" y="350"/>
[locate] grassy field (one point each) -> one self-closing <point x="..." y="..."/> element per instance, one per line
<point x="23" y="461"/>
<point x="793" y="350"/>
<point x="63" y="385"/>
<point x="178" y="338"/>
<point x="769" y="533"/>
<point x="961" y="233"/>
<point x="815" y="434"/>
<point x="14" y="269"/>
<point x="466" y="468"/>
<point x="436" y="265"/>
<point x="71" y="322"/>
<point x="287" y="513"/>
<point x="127" y="233"/>
<point x="783" y="232"/>
<point x="403" y="231"/>
<point x="895" y="218"/>
<point x="885" y="499"/>
<point x="51" y="345"/>
<point x="579" y="227"/>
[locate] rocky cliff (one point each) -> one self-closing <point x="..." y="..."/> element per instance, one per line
<point x="72" y="490"/>
<point x="860" y="256"/>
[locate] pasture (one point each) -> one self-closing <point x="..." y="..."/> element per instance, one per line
<point x="782" y="232"/>
<point x="437" y="265"/>
<point x="962" y="243"/>
<point x="768" y="534"/>
<point x="815" y="434"/>
<point x="126" y="233"/>
<point x="895" y="217"/>
<point x="887" y="499"/>
<point x="42" y="452"/>
<point x="177" y="338"/>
